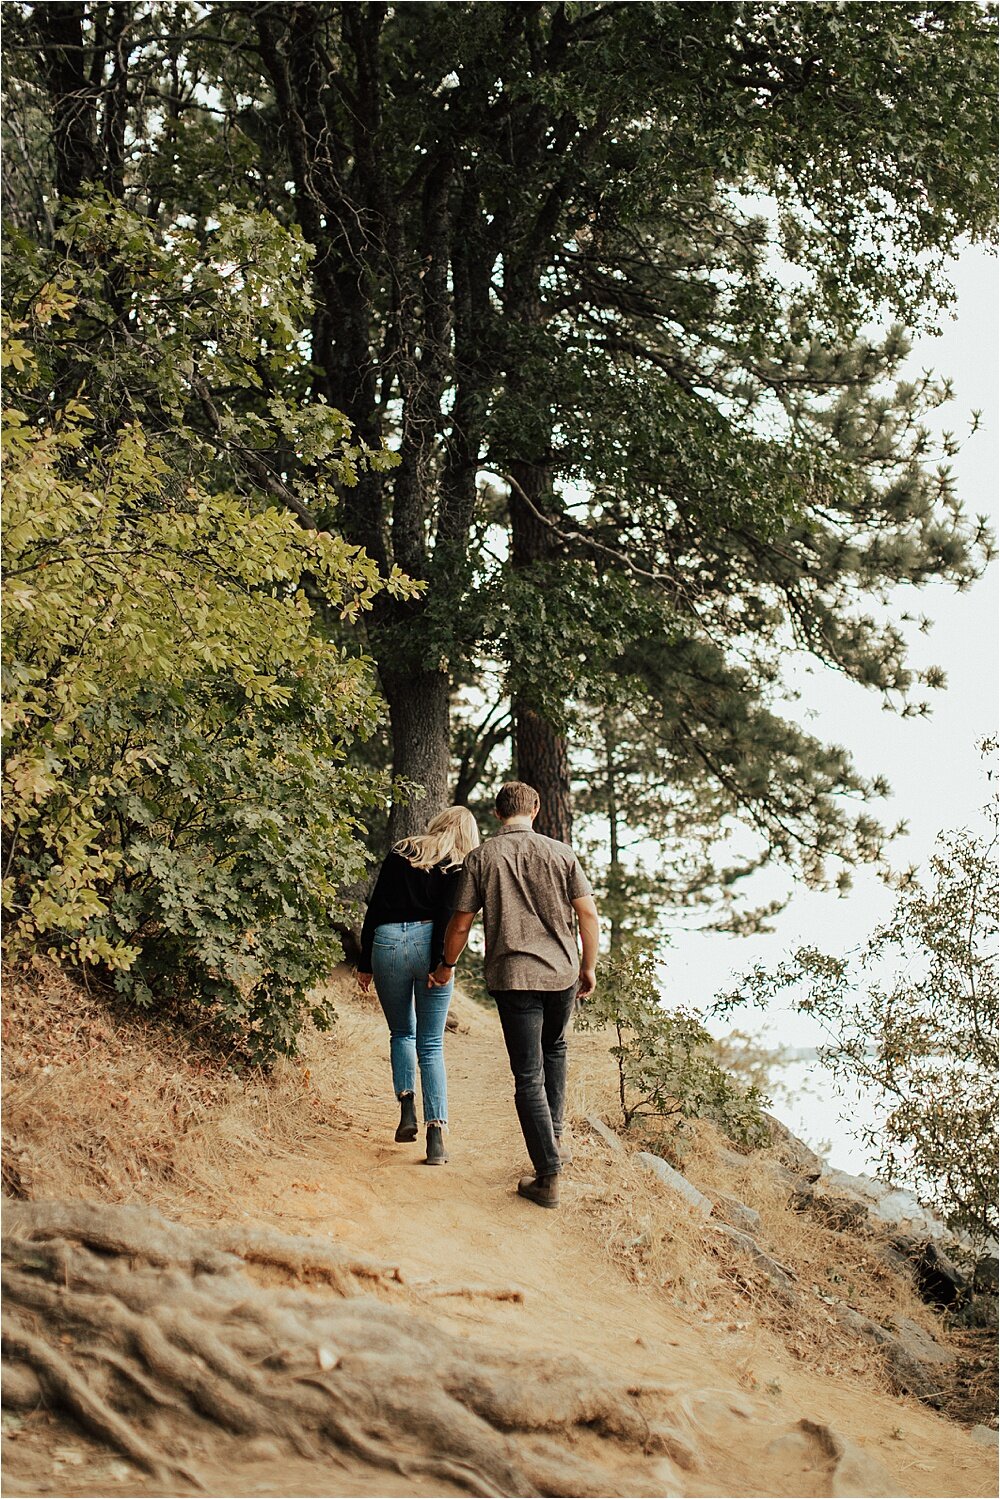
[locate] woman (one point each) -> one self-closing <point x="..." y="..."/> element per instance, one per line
<point x="402" y="943"/>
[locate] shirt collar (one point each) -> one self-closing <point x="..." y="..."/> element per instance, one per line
<point x="517" y="826"/>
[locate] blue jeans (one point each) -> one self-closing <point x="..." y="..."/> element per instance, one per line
<point x="401" y="961"/>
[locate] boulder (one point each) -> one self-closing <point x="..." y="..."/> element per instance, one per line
<point x="730" y="1210"/>
<point x="827" y="1463"/>
<point x="915" y="1362"/>
<point x="886" y="1204"/>
<point x="986" y="1280"/>
<point x="607" y="1135"/>
<point x="937" y="1278"/>
<point x="987" y="1436"/>
<point x="736" y="1160"/>
<point x="793" y="1152"/>
<point x="785" y="1180"/>
<point x="981" y="1311"/>
<point x="675" y="1182"/>
<point x="847" y="1214"/>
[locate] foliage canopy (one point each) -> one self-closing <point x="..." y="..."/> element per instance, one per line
<point x="630" y="289"/>
<point x="178" y="806"/>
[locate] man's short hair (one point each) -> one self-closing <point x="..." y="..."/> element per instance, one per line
<point x="516" y="799"/>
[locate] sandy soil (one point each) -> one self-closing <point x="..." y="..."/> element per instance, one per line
<point x="462" y="1226"/>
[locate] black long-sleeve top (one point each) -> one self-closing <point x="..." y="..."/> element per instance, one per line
<point x="403" y="893"/>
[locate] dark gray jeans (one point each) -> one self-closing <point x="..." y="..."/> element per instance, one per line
<point x="535" y="1022"/>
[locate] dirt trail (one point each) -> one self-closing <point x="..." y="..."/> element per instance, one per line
<point x="462" y="1225"/>
<point x="740" y="1414"/>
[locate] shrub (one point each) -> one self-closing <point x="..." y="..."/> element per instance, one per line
<point x="177" y="804"/>
<point x="913" y="1017"/>
<point x="666" y="1069"/>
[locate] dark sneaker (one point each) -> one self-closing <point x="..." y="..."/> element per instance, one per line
<point x="407" y="1128"/>
<point x="541" y="1189"/>
<point x="436" y="1153"/>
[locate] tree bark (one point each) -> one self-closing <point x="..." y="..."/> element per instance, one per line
<point x="382" y="325"/>
<point x="62" y="56"/>
<point x="543" y="761"/>
<point x="615" y="862"/>
<point x="542" y="751"/>
<point x="419" y="717"/>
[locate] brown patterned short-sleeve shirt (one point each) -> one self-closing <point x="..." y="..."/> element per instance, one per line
<point x="525" y="886"/>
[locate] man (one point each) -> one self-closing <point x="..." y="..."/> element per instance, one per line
<point x="528" y="889"/>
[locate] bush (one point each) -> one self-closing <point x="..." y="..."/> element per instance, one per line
<point x="177" y="804"/>
<point x="666" y="1069"/>
<point x="924" y="1038"/>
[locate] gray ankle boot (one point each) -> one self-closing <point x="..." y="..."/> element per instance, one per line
<point x="436" y="1153"/>
<point x="407" y="1128"/>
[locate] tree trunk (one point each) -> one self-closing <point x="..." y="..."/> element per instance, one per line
<point x="543" y="761"/>
<point x="62" y="56"/>
<point x="382" y="321"/>
<point x="419" y="716"/>
<point x="615" y="863"/>
<point x="542" y="751"/>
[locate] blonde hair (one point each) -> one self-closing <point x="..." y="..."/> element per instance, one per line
<point x="448" y="838"/>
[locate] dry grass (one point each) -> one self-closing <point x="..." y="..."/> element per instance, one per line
<point x="672" y="1251"/>
<point x="100" y="1103"/>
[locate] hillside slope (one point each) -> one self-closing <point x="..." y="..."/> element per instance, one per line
<point x="759" y="1401"/>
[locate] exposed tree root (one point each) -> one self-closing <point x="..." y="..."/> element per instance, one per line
<point x="146" y="1234"/>
<point x="483" y="1293"/>
<point x="154" y="1337"/>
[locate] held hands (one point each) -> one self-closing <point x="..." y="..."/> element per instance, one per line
<point x="441" y="976"/>
<point x="364" y="981"/>
<point x="588" y="983"/>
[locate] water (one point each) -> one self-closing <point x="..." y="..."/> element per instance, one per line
<point x="826" y="1113"/>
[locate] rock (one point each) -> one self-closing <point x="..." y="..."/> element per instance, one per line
<point x="793" y="1152"/>
<point x="922" y="1343"/>
<point x="986" y="1280"/>
<point x="847" y="1214"/>
<point x="781" y="1278"/>
<point x="979" y="1311"/>
<point x="607" y="1135"/>
<point x="827" y="1463"/>
<point x="937" y="1278"/>
<point x="675" y="1182"/>
<point x="730" y="1210"/>
<point x="886" y="1204"/>
<point x="784" y="1179"/>
<point x="914" y="1360"/>
<point x="986" y="1435"/>
<point x="857" y="1475"/>
<point x="903" y="1208"/>
<point x="736" y="1160"/>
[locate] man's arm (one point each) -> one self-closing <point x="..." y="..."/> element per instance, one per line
<point x="455" y="939"/>
<point x="590" y="932"/>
